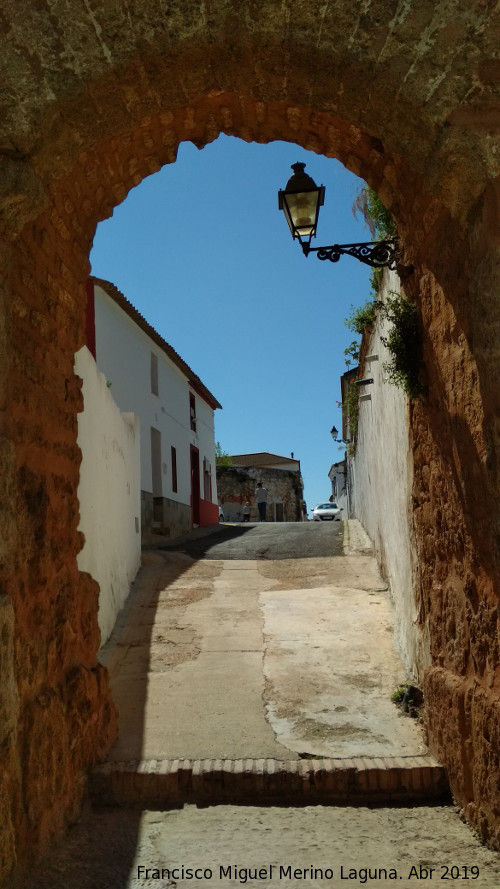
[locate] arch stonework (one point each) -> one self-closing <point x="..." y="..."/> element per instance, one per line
<point x="94" y="100"/>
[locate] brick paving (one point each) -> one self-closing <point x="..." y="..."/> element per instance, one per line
<point x="358" y="781"/>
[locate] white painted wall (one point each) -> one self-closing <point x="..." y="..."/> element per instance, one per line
<point x="123" y="354"/>
<point x="337" y="476"/>
<point x="108" y="491"/>
<point x="381" y="487"/>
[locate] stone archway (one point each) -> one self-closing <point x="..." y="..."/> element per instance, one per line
<point x="406" y="96"/>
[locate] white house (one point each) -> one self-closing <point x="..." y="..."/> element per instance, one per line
<point x="148" y="378"/>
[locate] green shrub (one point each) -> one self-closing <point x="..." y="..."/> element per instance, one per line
<point x="380" y="224"/>
<point x="377" y="217"/>
<point x="221" y="457"/>
<point x="404" y="343"/>
<point x="350" y="413"/>
<point x="352" y="354"/>
<point x="362" y="317"/>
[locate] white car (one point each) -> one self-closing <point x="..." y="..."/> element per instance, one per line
<point x="326" y="512"/>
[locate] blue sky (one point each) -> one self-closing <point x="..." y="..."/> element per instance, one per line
<point x="203" y="252"/>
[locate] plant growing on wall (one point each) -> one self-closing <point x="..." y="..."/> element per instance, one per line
<point x="362" y="317"/>
<point x="376" y="215"/>
<point x="221" y="457"/>
<point x="380" y="224"/>
<point x="352" y="354"/>
<point x="404" y="343"/>
<point x="350" y="413"/>
<point x="357" y="321"/>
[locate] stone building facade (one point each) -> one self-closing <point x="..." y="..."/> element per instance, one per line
<point x="279" y="475"/>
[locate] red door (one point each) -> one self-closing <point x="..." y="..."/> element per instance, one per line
<point x="195" y="486"/>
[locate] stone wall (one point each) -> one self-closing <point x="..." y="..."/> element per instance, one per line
<point x="424" y="492"/>
<point x="164" y="516"/>
<point x="57" y="716"/>
<point x="96" y="99"/>
<point x="455" y="440"/>
<point x="236" y="485"/>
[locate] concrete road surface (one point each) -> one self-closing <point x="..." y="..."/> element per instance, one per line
<point x="234" y="658"/>
<point x="267" y="540"/>
<point x="226" y="847"/>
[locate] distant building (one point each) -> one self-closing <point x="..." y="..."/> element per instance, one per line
<point x="280" y="476"/>
<point x="146" y="376"/>
<point x="338" y="479"/>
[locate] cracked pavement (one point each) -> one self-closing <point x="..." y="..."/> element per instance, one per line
<point x="243" y="657"/>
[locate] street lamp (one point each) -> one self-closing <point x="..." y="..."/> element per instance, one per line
<point x="334" y="433"/>
<point x="300" y="202"/>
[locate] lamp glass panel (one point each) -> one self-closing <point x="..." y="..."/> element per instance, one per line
<point x="303" y="207"/>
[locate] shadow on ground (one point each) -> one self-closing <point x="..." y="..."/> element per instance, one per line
<point x="264" y="541"/>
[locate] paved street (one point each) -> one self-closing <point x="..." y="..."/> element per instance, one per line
<point x="260" y="665"/>
<point x="258" y="657"/>
<point x="268" y="541"/>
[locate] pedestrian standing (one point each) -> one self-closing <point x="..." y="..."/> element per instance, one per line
<point x="246" y="512"/>
<point x="261" y="497"/>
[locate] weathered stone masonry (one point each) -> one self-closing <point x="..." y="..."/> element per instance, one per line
<point x="93" y="100"/>
<point x="236" y="486"/>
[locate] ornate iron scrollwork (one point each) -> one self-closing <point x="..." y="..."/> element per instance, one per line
<point x="377" y="254"/>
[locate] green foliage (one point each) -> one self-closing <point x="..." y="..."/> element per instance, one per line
<point x="362" y="317"/>
<point x="357" y="321"/>
<point x="410" y="699"/>
<point x="377" y="217"/>
<point x="376" y="278"/>
<point x="352" y="354"/>
<point x="398" y="694"/>
<point x="404" y="343"/>
<point x="350" y="413"/>
<point x="221" y="457"/>
<point x="379" y="222"/>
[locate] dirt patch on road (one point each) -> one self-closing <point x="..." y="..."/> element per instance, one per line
<point x="301" y="574"/>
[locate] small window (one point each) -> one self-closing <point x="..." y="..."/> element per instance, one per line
<point x="154" y="373"/>
<point x="192" y="411"/>
<point x="173" y="453"/>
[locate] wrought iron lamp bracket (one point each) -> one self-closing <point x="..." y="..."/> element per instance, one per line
<point x="377" y="254"/>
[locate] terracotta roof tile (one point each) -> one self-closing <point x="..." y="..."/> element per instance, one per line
<point x="261" y="458"/>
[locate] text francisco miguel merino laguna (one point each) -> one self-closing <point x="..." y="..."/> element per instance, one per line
<point x="280" y="872"/>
